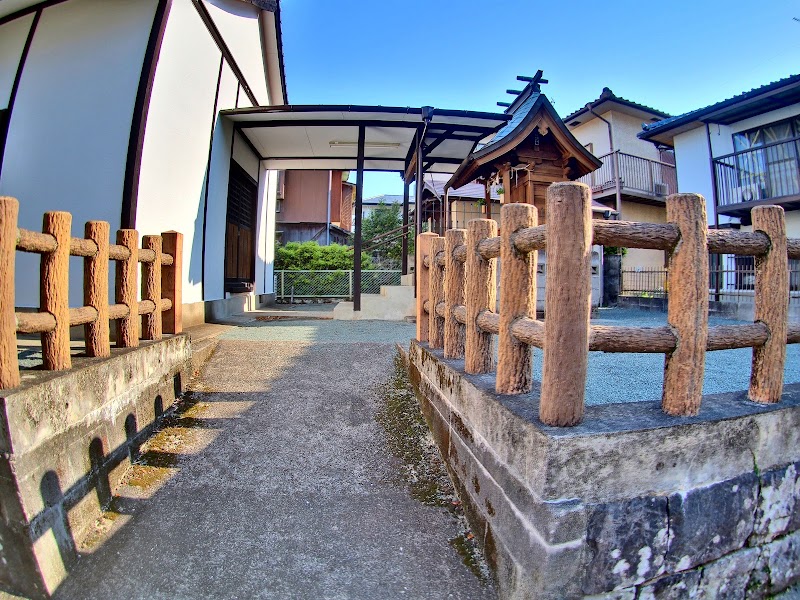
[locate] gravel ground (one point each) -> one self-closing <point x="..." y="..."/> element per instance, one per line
<point x="612" y="377"/>
<point x="639" y="377"/>
<point x="279" y="484"/>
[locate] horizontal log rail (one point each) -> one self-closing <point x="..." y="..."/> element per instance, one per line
<point x="43" y="243"/>
<point x="627" y="234"/>
<point x="456" y="295"/>
<point x="30" y="322"/>
<point x="159" y="308"/>
<point x="628" y="340"/>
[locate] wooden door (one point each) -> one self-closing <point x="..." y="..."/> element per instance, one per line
<point x="240" y="231"/>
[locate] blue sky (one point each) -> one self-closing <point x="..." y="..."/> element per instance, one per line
<point x="464" y="54"/>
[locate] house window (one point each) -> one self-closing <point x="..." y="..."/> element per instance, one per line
<point x="767" y="160"/>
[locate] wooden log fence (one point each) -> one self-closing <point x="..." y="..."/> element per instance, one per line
<point x="456" y="299"/>
<point x="161" y="260"/>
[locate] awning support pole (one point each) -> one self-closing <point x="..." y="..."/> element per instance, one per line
<point x="406" y="232"/>
<point x="357" y="237"/>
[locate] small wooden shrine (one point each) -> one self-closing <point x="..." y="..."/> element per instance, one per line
<point x="533" y="150"/>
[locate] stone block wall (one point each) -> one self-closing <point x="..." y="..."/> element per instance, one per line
<point x="631" y="503"/>
<point x="65" y="439"/>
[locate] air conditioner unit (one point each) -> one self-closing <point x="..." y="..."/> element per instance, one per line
<point x="747" y="193"/>
<point x="661" y="189"/>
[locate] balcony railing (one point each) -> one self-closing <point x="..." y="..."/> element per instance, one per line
<point x="638" y="176"/>
<point x="765" y="173"/>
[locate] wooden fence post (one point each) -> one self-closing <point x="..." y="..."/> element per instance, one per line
<point x="9" y="367"/>
<point x="517" y="299"/>
<point x="422" y="249"/>
<point x="95" y="290"/>
<point x="568" y="303"/>
<point x="172" y="282"/>
<point x="453" y="294"/>
<point x="771" y="306"/>
<point x="436" y="293"/>
<point x="128" y="327"/>
<point x="54" y="288"/>
<point x="481" y="295"/>
<point x="151" y="288"/>
<point x="687" y="309"/>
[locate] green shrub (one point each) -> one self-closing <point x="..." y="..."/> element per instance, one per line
<point x="298" y="256"/>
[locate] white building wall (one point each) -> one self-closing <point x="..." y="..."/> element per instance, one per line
<point x="12" y="42"/>
<point x="216" y="211"/>
<point x="625" y="129"/>
<point x="238" y="23"/>
<point x="265" y="234"/>
<point x="68" y="137"/>
<point x="594" y="132"/>
<point x="694" y="168"/>
<point x="175" y="191"/>
<point x="178" y="133"/>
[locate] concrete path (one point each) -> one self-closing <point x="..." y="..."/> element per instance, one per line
<point x="276" y="482"/>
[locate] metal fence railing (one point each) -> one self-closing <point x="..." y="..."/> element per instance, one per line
<point x="636" y="174"/>
<point x="330" y="284"/>
<point x="731" y="279"/>
<point x="771" y="171"/>
<point x="644" y="283"/>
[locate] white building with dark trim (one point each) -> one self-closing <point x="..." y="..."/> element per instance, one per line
<point x="110" y="110"/>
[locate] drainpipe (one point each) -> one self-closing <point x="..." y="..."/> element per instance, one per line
<point x="614" y="160"/>
<point x="328" y="224"/>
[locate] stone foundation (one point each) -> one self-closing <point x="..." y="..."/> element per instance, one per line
<point x="65" y="439"/>
<point x="632" y="503"/>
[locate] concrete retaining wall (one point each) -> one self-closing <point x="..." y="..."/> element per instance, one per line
<point x="65" y="439"/>
<point x="632" y="503"/>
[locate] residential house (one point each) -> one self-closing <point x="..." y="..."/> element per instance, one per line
<point x="314" y="206"/>
<point x="370" y="205"/>
<point x="739" y="153"/>
<point x="110" y="110"/>
<point x="636" y="176"/>
<point x="466" y="203"/>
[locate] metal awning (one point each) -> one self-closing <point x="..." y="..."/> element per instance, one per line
<point x="303" y="137"/>
<point x="364" y="138"/>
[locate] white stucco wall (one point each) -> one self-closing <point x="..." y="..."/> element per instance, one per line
<point x="265" y="235"/>
<point x="694" y="168"/>
<point x="219" y="170"/>
<point x="176" y="145"/>
<point x="12" y="42"/>
<point x="238" y="23"/>
<point x="595" y="132"/>
<point x="172" y="185"/>
<point x="793" y="224"/>
<point x="68" y="137"/>
<point x="625" y="129"/>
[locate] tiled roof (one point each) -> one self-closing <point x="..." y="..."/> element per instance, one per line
<point x="651" y="129"/>
<point x="608" y="96"/>
<point x="437" y="181"/>
<point x="519" y="114"/>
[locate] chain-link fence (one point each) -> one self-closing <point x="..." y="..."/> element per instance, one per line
<point x="290" y="285"/>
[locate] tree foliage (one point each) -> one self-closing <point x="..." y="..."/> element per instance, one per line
<point x="298" y="256"/>
<point x="385" y="218"/>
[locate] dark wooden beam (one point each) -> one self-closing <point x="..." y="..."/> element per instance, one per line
<point x="359" y="208"/>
